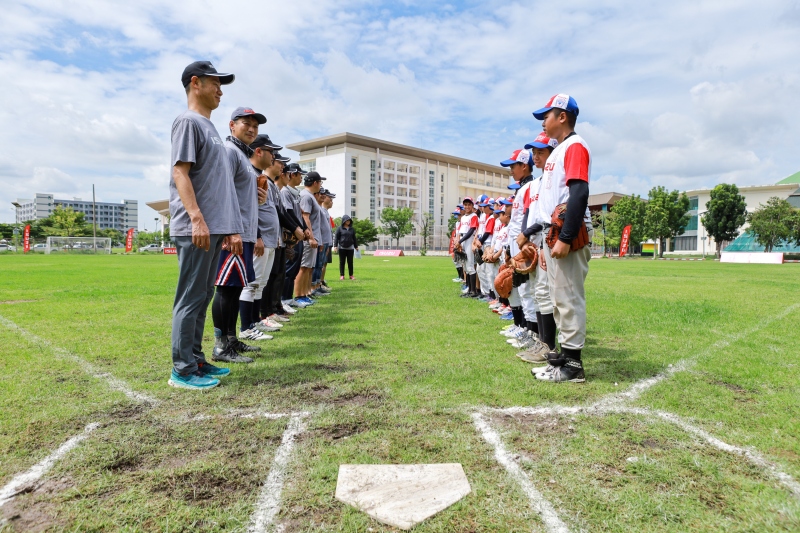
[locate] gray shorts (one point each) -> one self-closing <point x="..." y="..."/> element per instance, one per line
<point x="309" y="256"/>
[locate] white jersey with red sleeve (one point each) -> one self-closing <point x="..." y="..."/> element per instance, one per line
<point x="488" y="229"/>
<point x="500" y="236"/>
<point x="570" y="160"/>
<point x="467" y="222"/>
<point x="481" y="224"/>
<point x="517" y="214"/>
<point x="534" y="216"/>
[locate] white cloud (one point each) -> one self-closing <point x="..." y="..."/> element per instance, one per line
<point x="682" y="94"/>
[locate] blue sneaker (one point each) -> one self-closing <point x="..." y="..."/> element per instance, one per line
<point x="507" y="316"/>
<point x="207" y="369"/>
<point x="194" y="381"/>
<point x="306" y="300"/>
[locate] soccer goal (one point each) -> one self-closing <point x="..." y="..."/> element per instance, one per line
<point x="78" y="245"/>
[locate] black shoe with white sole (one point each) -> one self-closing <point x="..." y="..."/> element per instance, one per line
<point x="571" y="371"/>
<point x="230" y="355"/>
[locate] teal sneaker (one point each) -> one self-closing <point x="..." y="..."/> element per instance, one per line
<point x="194" y="381"/>
<point x="207" y="369"/>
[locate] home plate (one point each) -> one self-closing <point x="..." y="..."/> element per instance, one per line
<point x="401" y="495"/>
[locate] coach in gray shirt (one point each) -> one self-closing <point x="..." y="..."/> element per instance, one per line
<point x="203" y="210"/>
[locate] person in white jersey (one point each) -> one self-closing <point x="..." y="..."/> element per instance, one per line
<point x="566" y="181"/>
<point x="537" y="305"/>
<point x="499" y="242"/>
<point x="520" y="164"/>
<point x="467" y="230"/>
<point x="485" y="232"/>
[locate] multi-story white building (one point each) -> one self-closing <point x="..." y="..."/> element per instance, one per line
<point x="695" y="240"/>
<point x="368" y="174"/>
<point x="119" y="216"/>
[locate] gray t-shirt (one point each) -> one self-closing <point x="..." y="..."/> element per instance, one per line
<point x="309" y="204"/>
<point x="195" y="140"/>
<point x="268" y="221"/>
<point x="325" y="227"/>
<point x="244" y="179"/>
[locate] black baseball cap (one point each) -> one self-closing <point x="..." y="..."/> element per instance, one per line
<point x="263" y="141"/>
<point x="329" y="194"/>
<point x="282" y="159"/>
<point x="294" y="168"/>
<point x="248" y="112"/>
<point x="312" y="176"/>
<point x="204" y="68"/>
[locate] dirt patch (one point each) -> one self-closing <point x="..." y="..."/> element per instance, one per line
<point x="321" y="391"/>
<point x="357" y="398"/>
<point x="340" y="431"/>
<point x="731" y="386"/>
<point x="542" y="426"/>
<point x="373" y="303"/>
<point x="359" y="346"/>
<point x="27" y="512"/>
<point x="12" y="302"/>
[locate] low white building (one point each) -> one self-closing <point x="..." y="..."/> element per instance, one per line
<point x="695" y="240"/>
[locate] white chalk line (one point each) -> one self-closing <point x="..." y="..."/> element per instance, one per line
<point x="615" y="403"/>
<point x="22" y="481"/>
<point x="113" y="382"/>
<point x="269" y="500"/>
<point x="537" y="501"/>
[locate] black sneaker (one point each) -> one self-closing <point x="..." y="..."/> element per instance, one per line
<point x="229" y="355"/>
<point x="239" y="346"/>
<point x="572" y="371"/>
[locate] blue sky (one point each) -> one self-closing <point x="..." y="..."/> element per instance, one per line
<point x="685" y="94"/>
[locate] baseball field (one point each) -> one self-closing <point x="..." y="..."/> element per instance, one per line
<point x="689" y="419"/>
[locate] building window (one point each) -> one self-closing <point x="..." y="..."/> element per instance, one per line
<point x="353" y="175"/>
<point x="353" y="202"/>
<point x="684" y="244"/>
<point x="693" y="203"/>
<point x="353" y="188"/>
<point x="442" y="189"/>
<point x="309" y="166"/>
<point x="372" y="165"/>
<point x="442" y="180"/>
<point x="354" y="162"/>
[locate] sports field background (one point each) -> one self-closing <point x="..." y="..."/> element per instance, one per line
<point x="390" y="368"/>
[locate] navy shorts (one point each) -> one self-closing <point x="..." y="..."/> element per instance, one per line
<point x="236" y="270"/>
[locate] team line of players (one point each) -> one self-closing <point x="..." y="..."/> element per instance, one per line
<point x="546" y="300"/>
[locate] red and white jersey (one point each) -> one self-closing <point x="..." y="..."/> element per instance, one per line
<point x="500" y="236"/>
<point x="481" y="224"/>
<point x="518" y="211"/>
<point x="467" y="222"/>
<point x="533" y="203"/>
<point x="488" y="229"/>
<point x="570" y="159"/>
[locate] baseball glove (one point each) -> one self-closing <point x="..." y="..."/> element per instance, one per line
<point x="525" y="261"/>
<point x="557" y="221"/>
<point x="503" y="281"/>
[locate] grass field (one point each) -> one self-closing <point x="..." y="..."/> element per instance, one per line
<point x="391" y="369"/>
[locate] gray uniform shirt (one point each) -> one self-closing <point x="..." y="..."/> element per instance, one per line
<point x="325" y="227"/>
<point x="309" y="204"/>
<point x="244" y="179"/>
<point x="268" y="221"/>
<point x="195" y="140"/>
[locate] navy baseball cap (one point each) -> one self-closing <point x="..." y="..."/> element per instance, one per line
<point x="313" y="176"/>
<point x="542" y="141"/>
<point x="329" y="194"/>
<point x="559" y="101"/>
<point x="248" y="112"/>
<point x="263" y="141"/>
<point x="204" y="68"/>
<point x="294" y="168"/>
<point x="281" y="158"/>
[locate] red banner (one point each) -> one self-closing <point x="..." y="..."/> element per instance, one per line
<point x="129" y="241"/>
<point x="170" y="251"/>
<point x="623" y="243"/>
<point x="26" y="239"/>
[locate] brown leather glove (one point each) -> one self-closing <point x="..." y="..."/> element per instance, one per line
<point x="557" y="221"/>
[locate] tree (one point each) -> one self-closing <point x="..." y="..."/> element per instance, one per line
<point x="66" y="222"/>
<point x="666" y="215"/>
<point x="631" y="211"/>
<point x="602" y="221"/>
<point x="425" y="231"/>
<point x="451" y="223"/>
<point x="773" y="223"/>
<point x="726" y="213"/>
<point x="366" y="232"/>
<point x="397" y="222"/>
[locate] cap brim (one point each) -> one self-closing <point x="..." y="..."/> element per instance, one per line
<point x="508" y="162"/>
<point x="504" y="202"/>
<point x="514" y="186"/>
<point x="261" y="119"/>
<point x="270" y="146"/>
<point x="483" y="205"/>
<point x="536" y="145"/>
<point x="539" y="115"/>
<point x="225" y="79"/>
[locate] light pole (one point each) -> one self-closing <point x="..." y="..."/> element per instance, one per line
<point x="17" y="206"/>
<point x="162" y="229"/>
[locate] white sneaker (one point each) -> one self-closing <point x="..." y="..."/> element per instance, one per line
<point x="265" y="325"/>
<point x="510" y="332"/>
<point x="458" y="280"/>
<point x="278" y="318"/>
<point x="288" y="309"/>
<point x="254" y="335"/>
<point x="271" y="322"/>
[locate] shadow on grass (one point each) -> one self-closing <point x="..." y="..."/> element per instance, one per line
<point x="613" y="365"/>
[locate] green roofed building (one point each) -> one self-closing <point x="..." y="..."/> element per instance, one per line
<point x="794" y="178"/>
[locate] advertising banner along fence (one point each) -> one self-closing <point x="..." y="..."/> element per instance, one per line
<point x="129" y="241"/>
<point x="623" y="243"/>
<point x="26" y="239"/>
